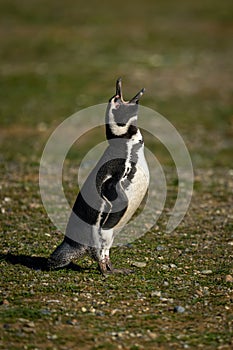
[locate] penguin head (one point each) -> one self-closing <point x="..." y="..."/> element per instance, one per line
<point x="121" y="116"/>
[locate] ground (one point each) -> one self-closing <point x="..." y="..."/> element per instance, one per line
<point x="58" y="58"/>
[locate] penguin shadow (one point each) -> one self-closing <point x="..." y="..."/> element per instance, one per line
<point x="36" y="262"/>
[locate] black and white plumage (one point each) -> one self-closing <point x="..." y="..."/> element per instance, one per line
<point x="113" y="190"/>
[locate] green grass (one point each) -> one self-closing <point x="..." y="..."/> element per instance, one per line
<point x="56" y="59"/>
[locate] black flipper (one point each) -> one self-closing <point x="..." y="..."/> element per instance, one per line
<point x="65" y="253"/>
<point x="116" y="201"/>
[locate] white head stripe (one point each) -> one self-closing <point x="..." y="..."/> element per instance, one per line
<point x="117" y="129"/>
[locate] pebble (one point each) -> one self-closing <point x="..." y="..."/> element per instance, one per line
<point x="206" y="272"/>
<point x="53" y="301"/>
<point x="179" y="309"/>
<point x="152" y="335"/>
<point x="100" y="313"/>
<point x="139" y="264"/>
<point x="23" y="320"/>
<point x="120" y="334"/>
<point x="173" y="266"/>
<point x="83" y="309"/>
<point x="156" y="293"/>
<point x="163" y="300"/>
<point x="45" y="312"/>
<point x="30" y="324"/>
<point x="165" y="267"/>
<point x="52" y="336"/>
<point x="73" y="322"/>
<point x="28" y="330"/>
<point x="92" y="309"/>
<point x="114" y="311"/>
<point x="229" y="278"/>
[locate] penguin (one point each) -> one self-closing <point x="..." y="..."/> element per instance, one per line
<point x="112" y="191"/>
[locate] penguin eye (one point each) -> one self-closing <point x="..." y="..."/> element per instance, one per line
<point x="116" y="102"/>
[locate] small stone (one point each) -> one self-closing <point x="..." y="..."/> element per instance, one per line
<point x="152" y="335"/>
<point x="53" y="301"/>
<point x="120" y="334"/>
<point x="139" y="264"/>
<point x="52" y="336"/>
<point x="165" y="267"/>
<point x="229" y="278"/>
<point x="100" y="313"/>
<point x="30" y="324"/>
<point x="156" y="293"/>
<point x="199" y="293"/>
<point x="45" y="312"/>
<point x="129" y="316"/>
<point x="114" y="311"/>
<point x="73" y="322"/>
<point x="23" y="320"/>
<point x="7" y="199"/>
<point x="163" y="300"/>
<point x="114" y="334"/>
<point x="27" y="329"/>
<point x="5" y="302"/>
<point x="92" y="310"/>
<point x="173" y="266"/>
<point x="83" y="309"/>
<point x="179" y="309"/>
<point x="88" y="295"/>
<point x="159" y="248"/>
<point x="206" y="272"/>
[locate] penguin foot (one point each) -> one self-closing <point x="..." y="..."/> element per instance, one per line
<point x="106" y="268"/>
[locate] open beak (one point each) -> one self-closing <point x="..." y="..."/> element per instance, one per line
<point x="119" y="88"/>
<point x="135" y="99"/>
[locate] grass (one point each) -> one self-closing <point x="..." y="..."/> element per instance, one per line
<point x="56" y="59"/>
